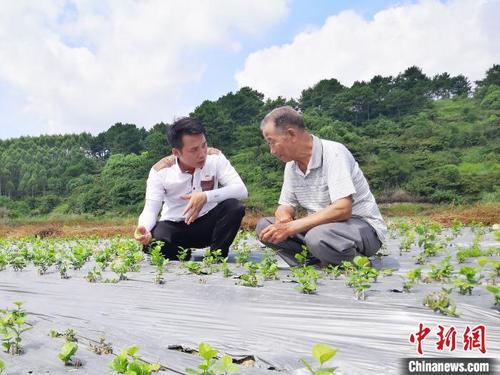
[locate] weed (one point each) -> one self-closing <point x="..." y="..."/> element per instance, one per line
<point x="322" y="353"/>
<point x="102" y="347"/>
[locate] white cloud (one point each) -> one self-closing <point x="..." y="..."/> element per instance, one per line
<point x="459" y="37"/>
<point x="85" y="64"/>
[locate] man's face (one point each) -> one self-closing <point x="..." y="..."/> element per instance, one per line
<point x="194" y="151"/>
<point x="278" y="142"/>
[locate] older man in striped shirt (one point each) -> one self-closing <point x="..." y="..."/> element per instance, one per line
<point x="323" y="177"/>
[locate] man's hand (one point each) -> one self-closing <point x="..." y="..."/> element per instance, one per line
<point x="142" y="235"/>
<point x="276" y="233"/>
<point x="284" y="214"/>
<point x="283" y="218"/>
<point x="194" y="206"/>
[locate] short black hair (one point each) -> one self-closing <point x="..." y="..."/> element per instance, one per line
<point x="183" y="126"/>
<point x="283" y="117"/>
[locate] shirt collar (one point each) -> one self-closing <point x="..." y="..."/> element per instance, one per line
<point x="317" y="154"/>
<point x="316" y="157"/>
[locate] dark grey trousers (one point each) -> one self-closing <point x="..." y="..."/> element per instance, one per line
<point x="330" y="243"/>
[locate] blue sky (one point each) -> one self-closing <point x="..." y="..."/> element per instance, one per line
<point x="68" y="66"/>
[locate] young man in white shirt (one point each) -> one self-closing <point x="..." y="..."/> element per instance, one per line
<point x="198" y="193"/>
<point x="323" y="177"/>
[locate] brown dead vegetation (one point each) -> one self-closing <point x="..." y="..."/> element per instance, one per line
<point x="487" y="214"/>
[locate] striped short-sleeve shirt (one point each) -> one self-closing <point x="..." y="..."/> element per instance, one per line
<point x="332" y="174"/>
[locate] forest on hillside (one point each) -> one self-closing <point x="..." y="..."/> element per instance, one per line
<point x="417" y="138"/>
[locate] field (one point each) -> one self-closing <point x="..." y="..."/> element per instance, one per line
<point x="110" y="296"/>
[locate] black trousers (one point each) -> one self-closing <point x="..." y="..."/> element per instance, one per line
<point x="216" y="229"/>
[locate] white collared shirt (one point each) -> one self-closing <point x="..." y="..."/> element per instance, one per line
<point x="332" y="174"/>
<point x="218" y="179"/>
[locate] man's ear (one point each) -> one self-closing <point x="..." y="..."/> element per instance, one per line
<point x="292" y="132"/>
<point x="176" y="152"/>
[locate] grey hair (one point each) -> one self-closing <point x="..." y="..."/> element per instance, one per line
<point x="283" y="117"/>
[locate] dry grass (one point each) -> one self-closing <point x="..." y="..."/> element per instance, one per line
<point x="487" y="214"/>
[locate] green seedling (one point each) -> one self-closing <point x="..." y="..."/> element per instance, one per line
<point x="12" y="326"/>
<point x="43" y="256"/>
<point x="361" y="275"/>
<point x="79" y="256"/>
<point x="441" y="302"/>
<point x="129" y="363"/>
<point x="62" y="264"/>
<point x="69" y="334"/>
<point x="158" y="260"/>
<point x="269" y="266"/>
<point x="226" y="271"/>
<point x="470" y="278"/>
<point x="127" y="260"/>
<point x="67" y="351"/>
<point x="211" y="259"/>
<point x="478" y="228"/>
<point x="413" y="277"/>
<point x="119" y="266"/>
<point x="474" y="251"/>
<point x="322" y="353"/>
<point x="301" y="257"/>
<point x="103" y="258"/>
<point x="183" y="254"/>
<point x="250" y="278"/>
<point x="441" y="272"/>
<point x="17" y="261"/>
<point x="4" y="259"/>
<point x="333" y="271"/>
<point x="94" y="275"/>
<point x="193" y="267"/>
<point x="242" y="254"/>
<point x="2" y="366"/>
<point x="495" y="290"/>
<point x="456" y="227"/>
<point x="307" y="277"/>
<point x="209" y="365"/>
<point x="387" y="271"/>
<point x="407" y="242"/>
